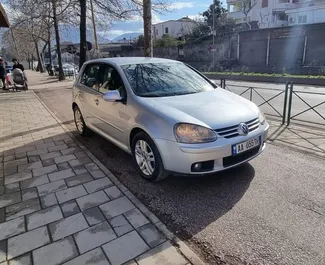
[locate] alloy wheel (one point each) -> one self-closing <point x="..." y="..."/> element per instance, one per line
<point x="145" y="157"/>
<point x="79" y="121"/>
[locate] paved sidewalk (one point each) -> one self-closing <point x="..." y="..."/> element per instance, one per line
<point x="60" y="205"/>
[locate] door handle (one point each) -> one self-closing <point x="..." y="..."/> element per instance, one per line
<point x="79" y="94"/>
<point x="96" y="101"/>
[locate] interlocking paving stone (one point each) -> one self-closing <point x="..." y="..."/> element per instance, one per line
<point x="44" y="217"/>
<point x="98" y="184"/>
<point x="91" y="167"/>
<point x="80" y="170"/>
<point x="94" y="257"/>
<point x="68" y="226"/>
<point x="50" y="155"/>
<point x="70" y="151"/>
<point x="165" y="252"/>
<point x="48" y="162"/>
<point x="10" y="171"/>
<point x="63" y="166"/>
<point x="30" y="166"/>
<point x="12" y="227"/>
<point x="48" y="255"/>
<point x="17" y="177"/>
<point x="33" y="182"/>
<point x="57" y="148"/>
<point x="121" y="225"/>
<point x="3" y="250"/>
<point x="37" y="152"/>
<point x="32" y="206"/>
<point x="32" y="159"/>
<point x="136" y="218"/>
<point x="44" y="170"/>
<point x="97" y="174"/>
<point x="79" y="179"/>
<point x="94" y="236"/>
<point x="12" y="187"/>
<point x="2" y="215"/>
<point x="48" y="200"/>
<point x="28" y="241"/>
<point x="2" y="188"/>
<point x="29" y="194"/>
<point x="51" y="187"/>
<point x="61" y="175"/>
<point x="69" y="208"/>
<point x="92" y="200"/>
<point x="151" y="235"/>
<point x="22" y="260"/>
<point x="79" y="162"/>
<point x="70" y="193"/>
<point x="94" y="216"/>
<point x="64" y="158"/>
<point x="116" y="207"/>
<point x="15" y="163"/>
<point x="9" y="158"/>
<point x="113" y="193"/>
<point x="25" y="149"/>
<point x="9" y="199"/>
<point x="125" y="248"/>
<point x="20" y="206"/>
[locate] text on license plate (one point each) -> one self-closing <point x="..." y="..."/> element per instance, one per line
<point x="247" y="145"/>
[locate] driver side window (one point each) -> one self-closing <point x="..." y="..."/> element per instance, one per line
<point x="110" y="79"/>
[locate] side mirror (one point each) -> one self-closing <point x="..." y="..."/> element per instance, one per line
<point x="112" y="96"/>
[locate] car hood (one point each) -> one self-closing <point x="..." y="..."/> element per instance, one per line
<point x="216" y="109"/>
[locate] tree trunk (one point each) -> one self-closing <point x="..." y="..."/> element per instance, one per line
<point x="39" y="59"/>
<point x="83" y="36"/>
<point x="49" y="47"/>
<point x="57" y="37"/>
<point x="147" y="24"/>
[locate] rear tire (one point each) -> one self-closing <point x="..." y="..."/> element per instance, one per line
<point x="79" y="122"/>
<point x="147" y="159"/>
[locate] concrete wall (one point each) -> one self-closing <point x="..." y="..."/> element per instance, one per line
<point x="298" y="49"/>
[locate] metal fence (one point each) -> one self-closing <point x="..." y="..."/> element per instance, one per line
<point x="281" y="102"/>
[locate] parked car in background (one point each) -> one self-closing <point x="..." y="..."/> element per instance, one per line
<point x="167" y="115"/>
<point x="68" y="69"/>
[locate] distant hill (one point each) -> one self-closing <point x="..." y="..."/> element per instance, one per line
<point x="127" y="36"/>
<point x="71" y="34"/>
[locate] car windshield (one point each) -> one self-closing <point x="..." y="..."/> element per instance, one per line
<point x="164" y="79"/>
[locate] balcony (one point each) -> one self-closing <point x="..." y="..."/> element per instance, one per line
<point x="280" y="23"/>
<point x="284" y="6"/>
<point x="236" y="15"/>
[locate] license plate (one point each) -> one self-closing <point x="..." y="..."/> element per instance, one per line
<point x="245" y="146"/>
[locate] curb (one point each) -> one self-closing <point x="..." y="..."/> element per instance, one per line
<point x="174" y="240"/>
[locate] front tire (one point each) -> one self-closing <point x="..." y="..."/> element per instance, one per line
<point x="147" y="159"/>
<point x="79" y="122"/>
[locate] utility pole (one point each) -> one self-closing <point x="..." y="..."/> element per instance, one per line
<point x="94" y="28"/>
<point x="147" y="24"/>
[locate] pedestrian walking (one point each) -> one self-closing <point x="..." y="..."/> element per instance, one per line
<point x="3" y="74"/>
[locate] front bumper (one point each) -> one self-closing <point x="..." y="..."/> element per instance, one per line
<point x="180" y="158"/>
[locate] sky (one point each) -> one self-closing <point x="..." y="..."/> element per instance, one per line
<point x="179" y="9"/>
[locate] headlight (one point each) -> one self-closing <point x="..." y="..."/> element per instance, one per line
<point x="192" y="134"/>
<point x="261" y="117"/>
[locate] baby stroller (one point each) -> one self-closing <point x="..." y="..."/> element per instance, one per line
<point x="19" y="79"/>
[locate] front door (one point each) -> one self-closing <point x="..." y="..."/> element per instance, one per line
<point x="111" y="117"/>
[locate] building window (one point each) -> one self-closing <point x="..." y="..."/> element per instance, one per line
<point x="283" y="17"/>
<point x="265" y="3"/>
<point x="295" y="1"/>
<point x="166" y="30"/>
<point x="156" y="32"/>
<point x="302" y="19"/>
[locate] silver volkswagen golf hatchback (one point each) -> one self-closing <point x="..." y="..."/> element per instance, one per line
<point x="168" y="116"/>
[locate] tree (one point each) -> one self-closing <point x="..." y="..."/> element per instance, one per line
<point x="246" y="7"/>
<point x="167" y="41"/>
<point x="147" y="23"/>
<point x="83" y="30"/>
<point x="219" y="11"/>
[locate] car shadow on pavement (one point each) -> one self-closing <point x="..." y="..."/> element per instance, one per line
<point x="186" y="204"/>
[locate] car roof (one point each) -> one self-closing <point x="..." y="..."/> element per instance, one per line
<point x="131" y="60"/>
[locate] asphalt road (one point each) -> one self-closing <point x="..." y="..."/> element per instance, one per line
<point x="269" y="90"/>
<point x="270" y="211"/>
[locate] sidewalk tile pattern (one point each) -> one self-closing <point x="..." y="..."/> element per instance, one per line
<point x="57" y="206"/>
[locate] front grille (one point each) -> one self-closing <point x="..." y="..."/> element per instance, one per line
<point x="232" y="131"/>
<point x="233" y="160"/>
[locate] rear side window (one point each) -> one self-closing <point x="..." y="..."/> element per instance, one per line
<point x="89" y="75"/>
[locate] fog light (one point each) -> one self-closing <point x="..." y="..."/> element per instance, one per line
<point x="197" y="166"/>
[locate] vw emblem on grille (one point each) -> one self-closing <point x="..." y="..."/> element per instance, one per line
<point x="243" y="129"/>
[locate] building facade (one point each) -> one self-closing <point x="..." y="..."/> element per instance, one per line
<point x="277" y="13"/>
<point x="176" y="28"/>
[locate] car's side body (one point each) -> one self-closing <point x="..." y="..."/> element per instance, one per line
<point x="120" y="121"/>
